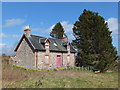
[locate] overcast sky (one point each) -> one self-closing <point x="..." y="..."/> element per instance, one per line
<point x="43" y="16"/>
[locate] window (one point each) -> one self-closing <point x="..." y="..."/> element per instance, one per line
<point x="68" y="59"/>
<point x="47" y="45"/>
<point x="39" y="40"/>
<point x="68" y="47"/>
<point x="47" y="59"/>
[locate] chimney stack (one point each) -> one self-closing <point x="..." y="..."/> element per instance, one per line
<point x="27" y="30"/>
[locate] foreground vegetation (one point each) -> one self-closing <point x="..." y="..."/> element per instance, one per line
<point x="16" y="77"/>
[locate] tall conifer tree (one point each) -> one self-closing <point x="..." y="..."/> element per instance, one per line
<point x="93" y="41"/>
<point x="57" y="31"/>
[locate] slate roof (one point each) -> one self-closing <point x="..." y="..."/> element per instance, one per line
<point x="61" y="45"/>
<point x="34" y="40"/>
<point x="37" y="42"/>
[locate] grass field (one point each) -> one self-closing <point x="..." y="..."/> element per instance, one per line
<point x="14" y="77"/>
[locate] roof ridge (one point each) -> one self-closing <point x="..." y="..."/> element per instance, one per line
<point x="50" y="38"/>
<point x="46" y="37"/>
<point x="38" y="36"/>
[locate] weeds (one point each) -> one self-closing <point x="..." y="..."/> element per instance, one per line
<point x="71" y="77"/>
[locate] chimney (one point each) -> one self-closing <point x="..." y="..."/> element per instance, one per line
<point x="27" y="30"/>
<point x="68" y="47"/>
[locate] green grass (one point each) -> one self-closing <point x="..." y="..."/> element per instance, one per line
<point x="20" y="78"/>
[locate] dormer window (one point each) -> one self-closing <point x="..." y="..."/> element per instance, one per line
<point x="39" y="40"/>
<point x="47" y="45"/>
<point x="68" y="47"/>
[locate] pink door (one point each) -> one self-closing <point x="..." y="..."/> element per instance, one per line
<point x="58" y="61"/>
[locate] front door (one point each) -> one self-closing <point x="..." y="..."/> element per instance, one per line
<point x="58" y="61"/>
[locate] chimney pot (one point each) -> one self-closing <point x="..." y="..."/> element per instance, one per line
<point x="27" y="30"/>
<point x="27" y="26"/>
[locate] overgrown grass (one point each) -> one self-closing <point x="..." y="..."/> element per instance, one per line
<point x="16" y="77"/>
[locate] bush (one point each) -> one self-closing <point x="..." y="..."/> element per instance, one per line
<point x="6" y="61"/>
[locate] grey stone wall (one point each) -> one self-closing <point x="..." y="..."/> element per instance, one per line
<point x="25" y="56"/>
<point x="53" y="60"/>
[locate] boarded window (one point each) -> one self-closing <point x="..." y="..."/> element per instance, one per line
<point x="47" y="44"/>
<point x="68" y="59"/>
<point x="47" y="59"/>
<point x="68" y="47"/>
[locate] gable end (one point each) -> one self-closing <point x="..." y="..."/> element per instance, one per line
<point x="28" y="42"/>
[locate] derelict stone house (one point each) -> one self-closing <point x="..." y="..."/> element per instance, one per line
<point x="35" y="51"/>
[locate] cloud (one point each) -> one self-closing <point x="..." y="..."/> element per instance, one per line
<point x="3" y="35"/>
<point x="2" y="45"/>
<point x="113" y="25"/>
<point x="8" y="50"/>
<point x="68" y="30"/>
<point x="67" y="27"/>
<point x="12" y="22"/>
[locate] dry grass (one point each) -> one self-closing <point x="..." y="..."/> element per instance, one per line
<point x="14" y="77"/>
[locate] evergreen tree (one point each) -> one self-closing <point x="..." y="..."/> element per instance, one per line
<point x="93" y="41"/>
<point x="57" y="31"/>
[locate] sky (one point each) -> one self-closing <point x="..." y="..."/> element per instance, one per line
<point x="42" y="16"/>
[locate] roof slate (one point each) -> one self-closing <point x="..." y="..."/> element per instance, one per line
<point x="37" y="42"/>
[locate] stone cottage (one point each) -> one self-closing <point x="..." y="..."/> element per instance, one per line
<point x="34" y="51"/>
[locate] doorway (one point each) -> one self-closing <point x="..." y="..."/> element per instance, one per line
<point x="58" y="60"/>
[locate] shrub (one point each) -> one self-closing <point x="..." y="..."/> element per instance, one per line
<point x="6" y="61"/>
